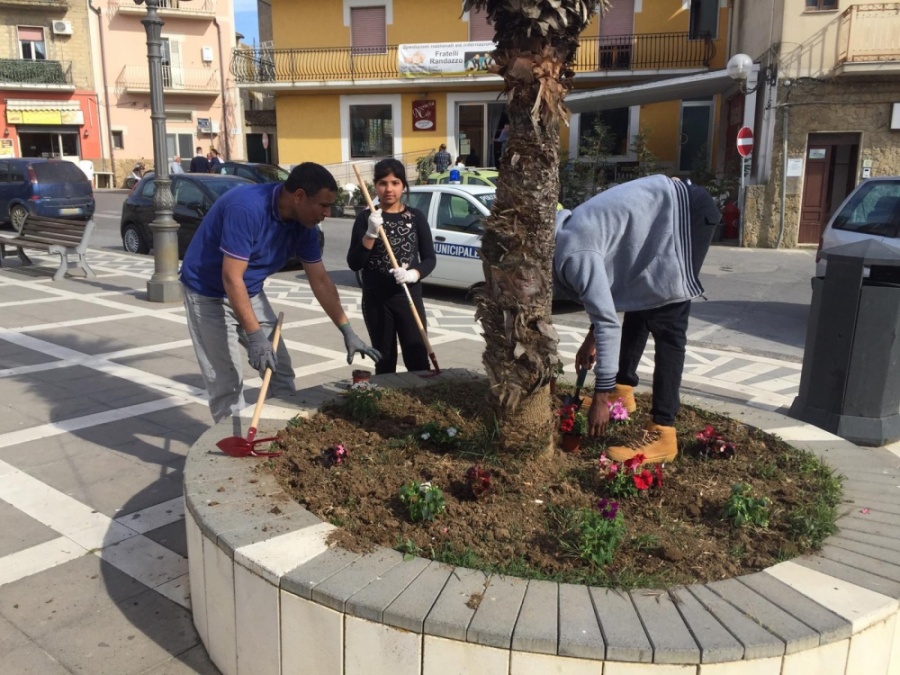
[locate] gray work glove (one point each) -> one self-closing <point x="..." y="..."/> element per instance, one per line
<point x="354" y="345"/>
<point x="260" y="350"/>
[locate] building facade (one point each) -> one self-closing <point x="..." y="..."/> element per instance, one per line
<point x="202" y="105"/>
<point x="827" y="111"/>
<point x="48" y="103"/>
<point x="399" y="77"/>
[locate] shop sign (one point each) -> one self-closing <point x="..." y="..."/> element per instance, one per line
<point x="424" y="115"/>
<point x="6" y="148"/>
<point x="445" y="59"/>
<point x="49" y="117"/>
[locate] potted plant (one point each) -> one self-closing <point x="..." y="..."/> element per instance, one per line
<point x="359" y="199"/>
<point x="573" y="425"/>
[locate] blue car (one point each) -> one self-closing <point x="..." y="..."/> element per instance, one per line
<point x="53" y="188"/>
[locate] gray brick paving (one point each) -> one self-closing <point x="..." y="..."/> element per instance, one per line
<point x="579" y="630"/>
<point x="303" y="579"/>
<point x="716" y="643"/>
<point x="334" y="591"/>
<point x="757" y="641"/>
<point x="412" y="605"/>
<point x="537" y="628"/>
<point x="622" y="628"/>
<point x="455" y="606"/>
<point x="672" y="641"/>
<point x="371" y="601"/>
<point x="497" y="612"/>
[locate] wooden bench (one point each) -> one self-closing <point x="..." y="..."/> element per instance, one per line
<point x="63" y="237"/>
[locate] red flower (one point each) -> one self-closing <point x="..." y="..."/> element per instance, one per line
<point x="633" y="463"/>
<point x="643" y="480"/>
<point x="707" y="434"/>
<point x="566" y="425"/>
<point x="658" y="475"/>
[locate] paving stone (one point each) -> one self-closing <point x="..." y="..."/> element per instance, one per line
<point x="267" y="527"/>
<point x="716" y="644"/>
<point x="882" y="553"/>
<point x="670" y="637"/>
<point x="622" y="629"/>
<point x="410" y="608"/>
<point x="536" y="628"/>
<point x="302" y="579"/>
<point x="854" y="535"/>
<point x="20" y="531"/>
<point x="275" y="558"/>
<point x="847" y="572"/>
<point x="579" y="630"/>
<point x="371" y="600"/>
<point x="496" y="615"/>
<point x="826" y="623"/>
<point x="861" y="523"/>
<point x="334" y="591"/>
<point x="172" y="536"/>
<point x="758" y="642"/>
<point x="861" y="561"/>
<point x="455" y="606"/>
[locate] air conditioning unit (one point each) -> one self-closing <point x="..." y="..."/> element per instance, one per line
<point x="214" y="128"/>
<point x="204" y="125"/>
<point x="62" y="27"/>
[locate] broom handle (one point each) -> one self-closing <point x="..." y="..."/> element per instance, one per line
<point x="394" y="265"/>
<point x="276" y="336"/>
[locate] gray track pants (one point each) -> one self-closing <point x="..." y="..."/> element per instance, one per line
<point x="220" y="344"/>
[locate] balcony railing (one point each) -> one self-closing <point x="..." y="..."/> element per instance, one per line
<point x="25" y="72"/>
<point x="868" y="33"/>
<point x="202" y="81"/>
<point x="205" y="9"/>
<point x="35" y="4"/>
<point x="651" y="51"/>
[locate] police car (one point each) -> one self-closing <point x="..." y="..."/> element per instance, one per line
<point x="456" y="214"/>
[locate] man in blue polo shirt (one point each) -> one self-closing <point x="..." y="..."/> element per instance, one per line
<point x="248" y="235"/>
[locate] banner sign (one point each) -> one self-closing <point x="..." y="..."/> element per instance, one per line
<point x="424" y="115"/>
<point x="445" y="59"/>
<point x="54" y="117"/>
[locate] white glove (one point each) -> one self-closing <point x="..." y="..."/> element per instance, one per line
<point x="402" y="275"/>
<point x="376" y="222"/>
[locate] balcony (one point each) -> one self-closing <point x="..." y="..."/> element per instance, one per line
<point x="869" y="40"/>
<point x="204" y="10"/>
<point x="176" y="81"/>
<point x="52" y="5"/>
<point x="623" y="54"/>
<point x="27" y="74"/>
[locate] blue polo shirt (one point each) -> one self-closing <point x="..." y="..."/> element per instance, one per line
<point x="244" y="224"/>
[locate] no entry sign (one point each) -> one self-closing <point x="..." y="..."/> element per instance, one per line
<point x="745" y="142"/>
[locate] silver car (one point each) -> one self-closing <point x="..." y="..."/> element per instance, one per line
<point x="871" y="211"/>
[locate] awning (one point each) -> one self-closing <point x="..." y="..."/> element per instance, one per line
<point x="700" y="85"/>
<point x="24" y="104"/>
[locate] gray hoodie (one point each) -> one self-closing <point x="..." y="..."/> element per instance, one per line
<point x="626" y="249"/>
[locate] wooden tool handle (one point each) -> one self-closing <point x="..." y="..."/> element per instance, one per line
<point x="276" y="336"/>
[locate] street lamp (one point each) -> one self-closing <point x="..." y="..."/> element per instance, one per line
<point x="740" y="67"/>
<point x="163" y="285"/>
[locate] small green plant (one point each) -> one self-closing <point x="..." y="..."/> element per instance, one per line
<point x="443" y="436"/>
<point x="424" y="167"/>
<point x="423" y="501"/>
<point x="409" y="549"/>
<point x="295" y="422"/>
<point x="810" y="524"/>
<point x="742" y="508"/>
<point x="362" y="400"/>
<point x="599" y="533"/>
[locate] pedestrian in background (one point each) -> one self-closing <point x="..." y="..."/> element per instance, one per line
<point x="385" y="304"/>
<point x="199" y="163"/>
<point x="636" y="248"/>
<point x="175" y="166"/>
<point x="214" y="161"/>
<point x="442" y="159"/>
<point x="248" y="235"/>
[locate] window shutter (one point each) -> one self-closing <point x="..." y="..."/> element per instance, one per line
<point x="368" y="30"/>
<point x="619" y="20"/>
<point x="30" y="34"/>
<point x="480" y="28"/>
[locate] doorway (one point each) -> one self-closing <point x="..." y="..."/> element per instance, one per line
<point x="829" y="177"/>
<point x="696" y="123"/>
<point x="478" y="125"/>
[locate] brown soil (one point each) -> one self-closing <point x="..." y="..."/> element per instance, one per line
<point x="677" y="533"/>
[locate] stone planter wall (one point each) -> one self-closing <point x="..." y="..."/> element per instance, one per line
<point x="270" y="597"/>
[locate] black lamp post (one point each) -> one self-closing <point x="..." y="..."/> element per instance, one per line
<point x="163" y="285"/>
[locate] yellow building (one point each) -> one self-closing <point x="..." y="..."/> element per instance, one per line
<point x="356" y="80"/>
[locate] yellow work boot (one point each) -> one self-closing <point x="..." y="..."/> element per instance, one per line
<point x="659" y="444"/>
<point x="626" y="393"/>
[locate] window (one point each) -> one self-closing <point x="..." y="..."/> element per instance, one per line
<point x="31" y="43"/>
<point x="371" y="131"/>
<point x="821" y="5"/>
<point x="480" y="28"/>
<point x="420" y="201"/>
<point x="704" y="20"/>
<point x="615" y="122"/>
<point x="368" y="31"/>
<point x="457" y="214"/>
<point x="873" y="209"/>
<point x="188" y="195"/>
<point x="118" y="140"/>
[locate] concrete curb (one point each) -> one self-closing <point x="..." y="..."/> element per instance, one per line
<point x="269" y="596"/>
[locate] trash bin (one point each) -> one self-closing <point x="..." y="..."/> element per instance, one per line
<point x="850" y="382"/>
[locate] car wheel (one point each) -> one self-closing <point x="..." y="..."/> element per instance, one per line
<point x="130" y="183"/>
<point x="17" y="216"/>
<point x="132" y="241"/>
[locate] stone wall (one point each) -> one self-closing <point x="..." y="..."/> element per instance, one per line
<point x="816" y="106"/>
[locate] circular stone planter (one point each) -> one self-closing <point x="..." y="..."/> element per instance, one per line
<point x="269" y="596"/>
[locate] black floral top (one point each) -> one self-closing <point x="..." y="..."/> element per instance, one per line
<point x="410" y="238"/>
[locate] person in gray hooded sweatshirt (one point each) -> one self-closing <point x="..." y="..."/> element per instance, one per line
<point x="636" y="248"/>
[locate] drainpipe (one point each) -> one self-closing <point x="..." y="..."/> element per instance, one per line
<point x="112" y="151"/>
<point x="222" y="86"/>
<point x="784" y="159"/>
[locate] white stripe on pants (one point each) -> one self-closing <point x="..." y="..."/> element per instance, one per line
<point x="220" y="344"/>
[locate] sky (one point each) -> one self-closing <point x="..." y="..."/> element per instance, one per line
<point x="245" y="21"/>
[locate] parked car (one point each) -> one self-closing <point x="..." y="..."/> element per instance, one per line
<point x="53" y="188"/>
<point x="871" y="211"/>
<point x="266" y="173"/>
<point x="194" y="194"/>
<point x="467" y="176"/>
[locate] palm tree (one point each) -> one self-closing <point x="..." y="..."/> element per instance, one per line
<point x="536" y="44"/>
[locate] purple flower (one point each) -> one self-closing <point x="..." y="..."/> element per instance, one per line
<point x="608" y="508"/>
